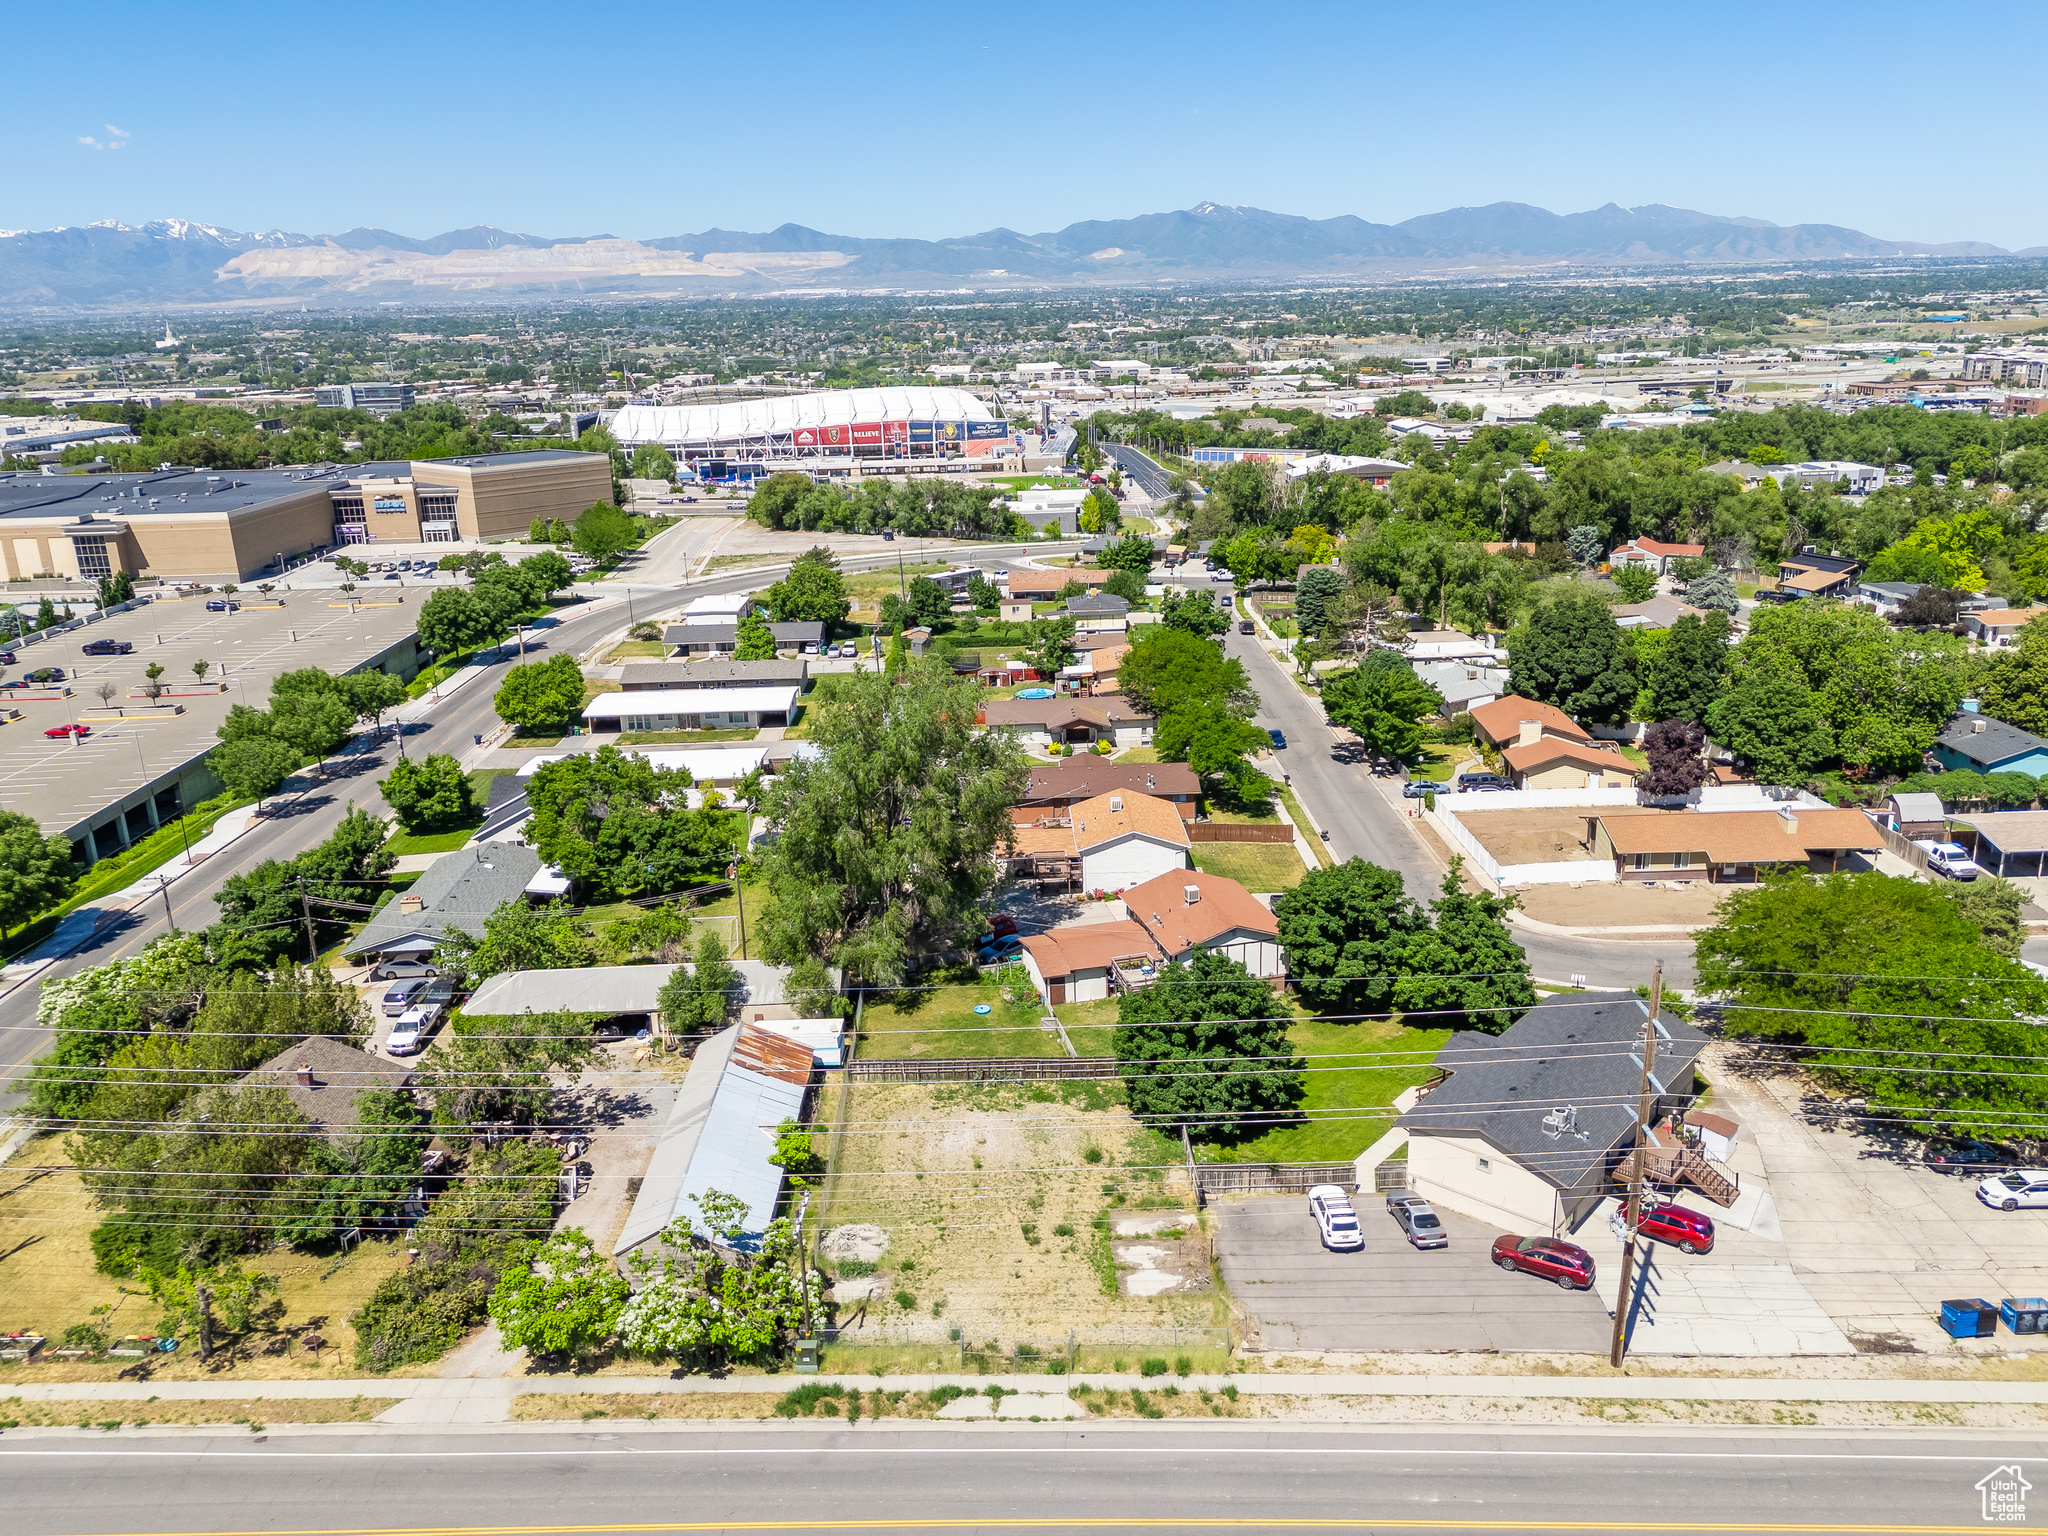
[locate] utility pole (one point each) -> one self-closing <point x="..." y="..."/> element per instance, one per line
<point x="306" y="908"/>
<point x="1634" y="1207"/>
<point x="164" y="889"/>
<point x="732" y="873"/>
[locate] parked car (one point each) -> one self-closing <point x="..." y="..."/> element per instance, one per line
<point x="221" y="605"/>
<point x="1549" y="1258"/>
<point x="1980" y="1157"/>
<point x="1415" y="789"/>
<point x="1219" y="575"/>
<point x="1002" y="923"/>
<point x="1336" y="1220"/>
<point x="1278" y="738"/>
<point x="403" y="996"/>
<point x="108" y="647"/>
<point x="1690" y="1230"/>
<point x="994" y="951"/>
<point x="1247" y="627"/>
<point x="849" y="649"/>
<point x="403" y="970"/>
<point x="1470" y="783"/>
<point x="409" y="1034"/>
<point x="73" y="729"/>
<point x="1420" y="1223"/>
<point x="1951" y="859"/>
<point x="808" y="649"/>
<point x="6" y="658"/>
<point x="2010" y="1191"/>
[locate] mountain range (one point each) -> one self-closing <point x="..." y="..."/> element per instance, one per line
<point x="175" y="262"/>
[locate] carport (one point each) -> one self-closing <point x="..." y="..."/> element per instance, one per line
<point x="1391" y="1296"/>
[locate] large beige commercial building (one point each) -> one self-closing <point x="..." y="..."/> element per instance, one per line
<point x="234" y="524"/>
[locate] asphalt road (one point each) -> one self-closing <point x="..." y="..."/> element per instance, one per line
<point x="1331" y="778"/>
<point x="1153" y="480"/>
<point x="652" y="586"/>
<point x="1171" y="1476"/>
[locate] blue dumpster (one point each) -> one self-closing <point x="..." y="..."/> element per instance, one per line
<point x="1974" y="1318"/>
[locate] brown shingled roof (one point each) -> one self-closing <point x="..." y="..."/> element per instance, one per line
<point x="1088" y="946"/>
<point x="1161" y="907"/>
<point x="1502" y="719"/>
<point x="1742" y="837"/>
<point x="1538" y="755"/>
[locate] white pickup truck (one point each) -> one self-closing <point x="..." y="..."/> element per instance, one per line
<point x="1951" y="859"/>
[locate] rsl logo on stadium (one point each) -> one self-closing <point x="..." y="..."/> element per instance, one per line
<point x="832" y="434"/>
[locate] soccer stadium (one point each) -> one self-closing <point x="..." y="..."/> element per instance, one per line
<point x="839" y="426"/>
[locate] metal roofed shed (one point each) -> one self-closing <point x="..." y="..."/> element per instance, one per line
<point x="622" y="990"/>
<point x="743" y="1082"/>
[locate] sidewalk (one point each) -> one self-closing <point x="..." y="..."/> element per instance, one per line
<point x="488" y="1400"/>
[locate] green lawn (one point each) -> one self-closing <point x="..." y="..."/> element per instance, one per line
<point x="1255" y="866"/>
<point x="675" y="738"/>
<point x="637" y="650"/>
<point x="1355" y="1077"/>
<point x="1088" y="1025"/>
<point x="1436" y="762"/>
<point x="1139" y="755"/>
<point x="430" y="842"/>
<point x="923" y="1021"/>
<point x="1308" y="831"/>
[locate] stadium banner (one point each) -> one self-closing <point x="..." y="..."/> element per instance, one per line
<point x="865" y="432"/>
<point x="949" y="431"/>
<point x="895" y="431"/>
<point x="921" y="431"/>
<point x="827" y="438"/>
<point x="981" y="431"/>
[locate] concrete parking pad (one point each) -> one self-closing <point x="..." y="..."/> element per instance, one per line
<point x="1391" y="1296"/>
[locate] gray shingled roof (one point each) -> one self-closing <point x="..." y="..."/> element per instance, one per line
<point x="809" y="633"/>
<point x="459" y="890"/>
<point x="773" y="671"/>
<point x="340" y="1073"/>
<point x="1573" y="1049"/>
<point x="1994" y="744"/>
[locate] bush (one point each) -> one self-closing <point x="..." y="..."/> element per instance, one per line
<point x="814" y="1397"/>
<point x="1153" y="1367"/>
<point x="86" y="1336"/>
<point x="1183" y="1364"/>
<point x="120" y="1248"/>
<point x="421" y="1313"/>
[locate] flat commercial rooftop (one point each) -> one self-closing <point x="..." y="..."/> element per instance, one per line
<point x="64" y="785"/>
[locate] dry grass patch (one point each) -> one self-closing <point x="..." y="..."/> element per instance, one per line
<point x="559" y="1406"/>
<point x="87" y="1413"/>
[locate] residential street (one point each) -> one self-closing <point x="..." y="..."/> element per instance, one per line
<point x="646" y="1477"/>
<point x="1365" y="821"/>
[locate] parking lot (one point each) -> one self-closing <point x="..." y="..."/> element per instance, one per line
<point x="1391" y="1296"/>
<point x="63" y="784"/>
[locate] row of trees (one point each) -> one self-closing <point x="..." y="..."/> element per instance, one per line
<point x="923" y="508"/>
<point x="311" y="714"/>
<point x="457" y="620"/>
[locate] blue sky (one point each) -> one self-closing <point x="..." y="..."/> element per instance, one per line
<point x="644" y="120"/>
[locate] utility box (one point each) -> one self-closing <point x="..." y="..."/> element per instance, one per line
<point x="807" y="1356"/>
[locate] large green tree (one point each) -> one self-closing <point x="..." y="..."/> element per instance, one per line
<point x="622" y="828"/>
<point x="1768" y="718"/>
<point x="888" y="843"/>
<point x="1691" y="670"/>
<point x="2016" y="688"/>
<point x="1205" y="1046"/>
<point x="565" y="1300"/>
<point x="812" y="593"/>
<point x="1569" y="652"/>
<point x="454" y="621"/>
<point x="755" y="641"/>
<point x="427" y="794"/>
<point x="701" y="996"/>
<point x="1382" y="705"/>
<point x="1174" y="668"/>
<point x="602" y="532"/>
<point x="542" y="698"/>
<point x="1194" y="612"/>
<point x="35" y="871"/>
<point x="1346" y="932"/>
<point x="1465" y="971"/>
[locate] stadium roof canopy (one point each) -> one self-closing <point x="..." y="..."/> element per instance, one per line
<point x="637" y="424"/>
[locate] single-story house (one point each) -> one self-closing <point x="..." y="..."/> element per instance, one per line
<point x="632" y="993"/>
<point x="2006" y="842"/>
<point x="1887" y="597"/>
<point x="1751" y="475"/>
<point x="323" y="1077"/>
<point x="1550" y="762"/>
<point x="691" y="709"/>
<point x="742" y="1083"/>
<point x="1464" y="685"/>
<point x="2000" y="626"/>
<point x="1074" y="779"/>
<point x="1006" y="673"/>
<point x="1916" y="816"/>
<point x="1513" y="720"/>
<point x="1081" y="963"/>
<point x="1106" y="843"/>
<point x="1984" y="745"/>
<point x="459" y="890"/>
<point x="1187" y="912"/>
<point x="1377" y="473"/>
<point x="1043" y="586"/>
<point x="1524" y="1129"/>
<point x="1728" y="846"/>
<point x="1099" y="613"/>
<point x="1448" y="645"/>
<point x="1862" y="478"/>
<point x="719" y="766"/>
<point x="1077" y="721"/>
<point x="1660" y="612"/>
<point x="1803" y="575"/>
<point x="769" y="672"/>
<point x="1654" y="554"/>
<point x="717" y="639"/>
<point x="718" y="608"/>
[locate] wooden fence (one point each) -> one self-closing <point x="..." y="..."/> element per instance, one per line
<point x="1239" y="832"/>
<point x="1902" y="845"/>
<point x="984" y="1069"/>
<point x="1270" y="1178"/>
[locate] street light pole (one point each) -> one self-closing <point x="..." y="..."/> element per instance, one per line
<point x="1632" y="1212"/>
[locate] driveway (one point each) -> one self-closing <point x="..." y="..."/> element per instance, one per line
<point x="1391" y="1296"/>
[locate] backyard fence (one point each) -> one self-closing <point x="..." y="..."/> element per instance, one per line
<point x="984" y="1069"/>
<point x="1239" y="832"/>
<point x="1269" y="1178"/>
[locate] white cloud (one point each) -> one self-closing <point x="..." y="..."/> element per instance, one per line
<point x="117" y="138"/>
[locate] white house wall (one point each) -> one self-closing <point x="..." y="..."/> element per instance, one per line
<point x="1129" y="861"/>
<point x="1259" y="955"/>
<point x="1474" y="1178"/>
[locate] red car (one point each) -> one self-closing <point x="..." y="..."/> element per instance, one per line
<point x="1692" y="1232"/>
<point x="69" y="730"/>
<point x="1002" y="925"/>
<point x="1550" y="1258"/>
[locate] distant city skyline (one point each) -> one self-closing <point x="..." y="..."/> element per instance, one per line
<point x="559" y="124"/>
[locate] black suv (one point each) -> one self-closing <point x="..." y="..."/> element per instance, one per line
<point x="108" y="647"/>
